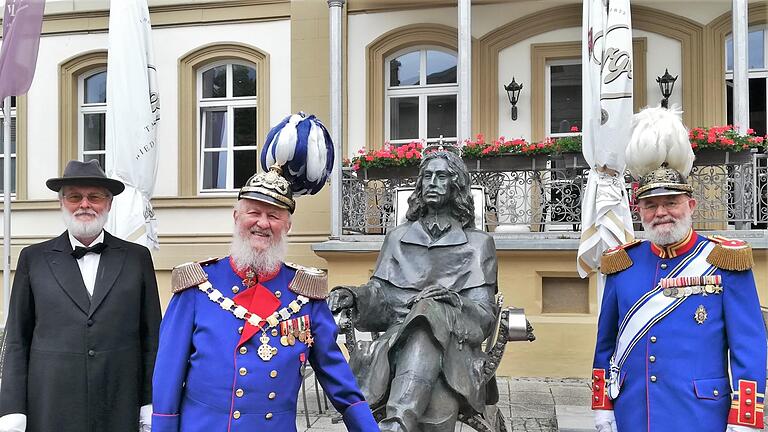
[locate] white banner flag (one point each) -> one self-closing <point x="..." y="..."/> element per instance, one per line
<point x="607" y="126"/>
<point x="133" y="113"/>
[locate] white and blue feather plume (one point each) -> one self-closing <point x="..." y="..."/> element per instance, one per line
<point x="302" y="146"/>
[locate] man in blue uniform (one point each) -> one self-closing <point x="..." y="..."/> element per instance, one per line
<point x="239" y="330"/>
<point x="681" y="344"/>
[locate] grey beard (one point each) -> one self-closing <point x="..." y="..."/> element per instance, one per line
<point x="244" y="256"/>
<point x="80" y="229"/>
<point x="674" y="235"/>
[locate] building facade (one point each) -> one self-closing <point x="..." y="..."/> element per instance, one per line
<point x="228" y="70"/>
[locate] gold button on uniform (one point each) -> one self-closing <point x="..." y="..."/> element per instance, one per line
<point x="235" y="290"/>
<point x="715" y="392"/>
<point x="243" y="350"/>
<point x="748" y="402"/>
<point x="747" y="415"/>
<point x="274" y="332"/>
<point x="236" y="415"/>
<point x="652" y="358"/>
<point x="268" y="416"/>
<point x="243" y="371"/>
<point x="240" y="330"/>
<point x="653" y="339"/>
<point x="272" y="374"/>
<point x="239" y="392"/>
<point x="653" y="378"/>
<point x="663" y="266"/>
<point x="748" y="391"/>
<point x="272" y="395"/>
<point x="278" y="294"/>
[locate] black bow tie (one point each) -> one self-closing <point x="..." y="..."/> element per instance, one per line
<point x="80" y="251"/>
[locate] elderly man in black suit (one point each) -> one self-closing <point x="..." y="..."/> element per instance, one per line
<point x="82" y="330"/>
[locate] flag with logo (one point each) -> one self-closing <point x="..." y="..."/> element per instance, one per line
<point x="133" y="113"/>
<point x="606" y="125"/>
<point x="22" y="22"/>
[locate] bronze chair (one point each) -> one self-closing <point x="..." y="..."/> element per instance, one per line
<point x="511" y="325"/>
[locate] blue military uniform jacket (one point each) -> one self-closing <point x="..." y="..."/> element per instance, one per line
<point x="675" y="377"/>
<point x="209" y="375"/>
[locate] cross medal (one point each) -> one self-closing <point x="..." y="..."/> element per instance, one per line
<point x="266" y="352"/>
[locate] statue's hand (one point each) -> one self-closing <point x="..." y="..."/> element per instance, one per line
<point x="341" y="297"/>
<point x="437" y="293"/>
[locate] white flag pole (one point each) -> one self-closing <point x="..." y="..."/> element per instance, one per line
<point x="6" y="207"/>
<point x="133" y="113"/>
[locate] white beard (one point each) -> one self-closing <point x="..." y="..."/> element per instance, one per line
<point x="673" y="235"/>
<point x="264" y="262"/>
<point x="79" y="229"/>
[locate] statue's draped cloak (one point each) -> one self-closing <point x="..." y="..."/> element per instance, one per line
<point x="463" y="261"/>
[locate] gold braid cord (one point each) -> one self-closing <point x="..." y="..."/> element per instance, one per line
<point x="730" y="254"/>
<point x="617" y="259"/>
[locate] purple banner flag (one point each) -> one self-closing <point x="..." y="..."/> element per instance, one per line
<point x="22" y="21"/>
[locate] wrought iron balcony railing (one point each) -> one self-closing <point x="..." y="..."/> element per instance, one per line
<point x="544" y="194"/>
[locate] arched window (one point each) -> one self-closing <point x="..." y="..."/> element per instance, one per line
<point x="92" y="114"/>
<point x="420" y="95"/>
<point x="757" y="55"/>
<point x="227" y="120"/>
<point x="13" y="146"/>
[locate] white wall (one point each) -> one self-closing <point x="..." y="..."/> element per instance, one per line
<point x="170" y="44"/>
<point x="657" y="62"/>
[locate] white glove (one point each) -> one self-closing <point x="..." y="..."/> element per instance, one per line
<point x="737" y="428"/>
<point x="13" y="423"/>
<point x="145" y="418"/>
<point x="605" y="421"/>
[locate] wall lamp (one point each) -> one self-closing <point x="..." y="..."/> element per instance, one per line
<point x="513" y="92"/>
<point x="666" y="84"/>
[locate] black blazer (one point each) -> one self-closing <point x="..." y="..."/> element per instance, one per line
<point x="74" y="364"/>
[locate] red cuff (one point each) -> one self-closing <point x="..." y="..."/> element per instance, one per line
<point x="600" y="399"/>
<point x="746" y="406"/>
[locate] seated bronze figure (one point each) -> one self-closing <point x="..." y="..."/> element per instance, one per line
<point x="433" y="298"/>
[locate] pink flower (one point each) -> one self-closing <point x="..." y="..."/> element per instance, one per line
<point x="574" y="128"/>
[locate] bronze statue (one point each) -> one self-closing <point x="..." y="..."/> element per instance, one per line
<point x="433" y="297"/>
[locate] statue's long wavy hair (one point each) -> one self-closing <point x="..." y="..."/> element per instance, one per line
<point x="459" y="196"/>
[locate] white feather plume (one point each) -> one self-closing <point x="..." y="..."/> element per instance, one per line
<point x="658" y="137"/>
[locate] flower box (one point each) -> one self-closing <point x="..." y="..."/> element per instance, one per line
<point x="399" y="172"/>
<point x="705" y="157"/>
<point x="507" y="162"/>
<point x="569" y="160"/>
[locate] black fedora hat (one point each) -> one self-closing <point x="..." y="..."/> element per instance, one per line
<point x="85" y="174"/>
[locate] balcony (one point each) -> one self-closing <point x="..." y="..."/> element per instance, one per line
<point x="543" y="194"/>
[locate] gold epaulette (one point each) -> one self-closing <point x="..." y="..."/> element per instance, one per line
<point x="309" y="282"/>
<point x="188" y="275"/>
<point x="730" y="254"/>
<point x="617" y="259"/>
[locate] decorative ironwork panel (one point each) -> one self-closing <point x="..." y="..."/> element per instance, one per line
<point x="547" y="196"/>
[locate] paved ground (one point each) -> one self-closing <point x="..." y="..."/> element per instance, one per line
<point x="528" y="404"/>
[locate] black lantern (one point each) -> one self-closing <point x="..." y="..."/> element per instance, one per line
<point x="666" y="84"/>
<point x="513" y="92"/>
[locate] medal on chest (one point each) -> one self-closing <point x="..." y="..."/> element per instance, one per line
<point x="700" y="315"/>
<point x="266" y="351"/>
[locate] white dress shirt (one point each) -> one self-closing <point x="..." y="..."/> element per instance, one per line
<point x="89" y="263"/>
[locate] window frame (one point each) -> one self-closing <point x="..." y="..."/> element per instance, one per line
<point x="422" y="90"/>
<point x="752" y="73"/>
<point x="545" y="53"/>
<point x="82" y="110"/>
<point x="548" y="94"/>
<point x="188" y="127"/>
<point x="230" y="104"/>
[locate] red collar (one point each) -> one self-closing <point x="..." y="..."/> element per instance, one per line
<point x="249" y="278"/>
<point x="676" y="249"/>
